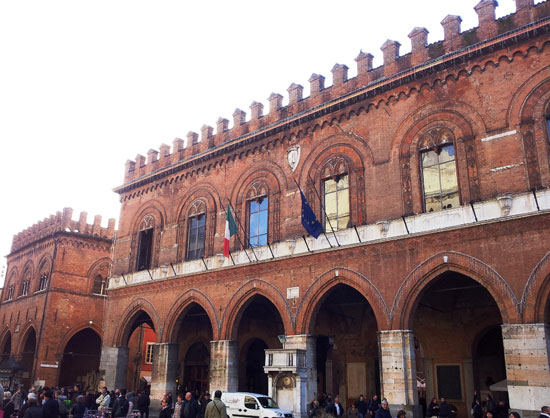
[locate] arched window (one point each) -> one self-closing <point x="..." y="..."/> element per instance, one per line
<point x="335" y="189"/>
<point x="25" y="284"/>
<point x="145" y="243"/>
<point x="11" y="291"/>
<point x="43" y="282"/>
<point x="438" y="165"/>
<point x="258" y="214"/>
<point x="196" y="230"/>
<point x="100" y="285"/>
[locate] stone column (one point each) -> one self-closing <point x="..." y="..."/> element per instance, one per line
<point x="398" y="370"/>
<point x="165" y="370"/>
<point x="113" y="366"/>
<point x="430" y="381"/>
<point x="306" y="388"/>
<point x="224" y="365"/>
<point x="526" y="352"/>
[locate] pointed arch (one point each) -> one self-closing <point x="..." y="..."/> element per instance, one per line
<point x="75" y="330"/>
<point x="322" y="284"/>
<point x="535" y="300"/>
<point x="179" y="309"/>
<point x="131" y="314"/>
<point x="25" y="332"/>
<point x="238" y="303"/>
<point x="410" y="291"/>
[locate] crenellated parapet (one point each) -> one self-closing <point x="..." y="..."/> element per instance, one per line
<point x="62" y="221"/>
<point x="394" y="67"/>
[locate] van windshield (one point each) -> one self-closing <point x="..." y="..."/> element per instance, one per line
<point x="267" y="402"/>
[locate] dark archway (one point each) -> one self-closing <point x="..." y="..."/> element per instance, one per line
<point x="80" y="359"/>
<point x="194" y="336"/>
<point x="456" y="320"/>
<point x="259" y="326"/>
<point x="196" y="369"/>
<point x="5" y="350"/>
<point x="488" y="361"/>
<point x="139" y="336"/>
<point x="347" y="345"/>
<point x="27" y="356"/>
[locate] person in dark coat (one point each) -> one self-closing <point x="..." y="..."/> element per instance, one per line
<point x="190" y="407"/>
<point x="545" y="412"/>
<point x="166" y="410"/>
<point x="361" y="406"/>
<point x="433" y="408"/>
<point x="384" y="410"/>
<point x="477" y="412"/>
<point x="446" y="410"/>
<point x="51" y="406"/>
<point x="77" y="411"/>
<point x="143" y="404"/>
<point x="7" y="405"/>
<point x="33" y="410"/>
<point x="204" y="402"/>
<point x="373" y="405"/>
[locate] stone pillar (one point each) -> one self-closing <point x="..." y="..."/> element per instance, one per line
<point x="224" y="365"/>
<point x="113" y="366"/>
<point x="430" y="381"/>
<point x="468" y="369"/>
<point x="165" y="370"/>
<point x="526" y="352"/>
<point x="398" y="370"/>
<point x="307" y="387"/>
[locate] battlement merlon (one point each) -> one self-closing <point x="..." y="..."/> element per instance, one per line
<point x="62" y="221"/>
<point x="454" y="42"/>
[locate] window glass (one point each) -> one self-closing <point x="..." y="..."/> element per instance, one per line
<point x="250" y="402"/>
<point x="439" y="180"/>
<point x="258" y="211"/>
<point x="145" y="249"/>
<point x="336" y="202"/>
<point x="196" y="237"/>
<point x="149" y="353"/>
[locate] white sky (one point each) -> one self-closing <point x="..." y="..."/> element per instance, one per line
<point x="86" y="85"/>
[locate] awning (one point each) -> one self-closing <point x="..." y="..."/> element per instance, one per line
<point x="146" y="378"/>
<point x="501" y="386"/>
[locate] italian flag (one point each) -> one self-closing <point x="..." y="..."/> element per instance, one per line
<point x="230" y="230"/>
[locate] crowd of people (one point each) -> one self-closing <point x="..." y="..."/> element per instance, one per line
<point x="326" y="407"/>
<point x="191" y="405"/>
<point x="52" y="402"/>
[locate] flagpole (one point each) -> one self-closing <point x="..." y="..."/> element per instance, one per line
<point x="237" y="234"/>
<point x="323" y="208"/>
<point x="242" y="229"/>
<point x="324" y="233"/>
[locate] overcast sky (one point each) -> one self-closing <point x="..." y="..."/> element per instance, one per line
<point x="86" y="85"/>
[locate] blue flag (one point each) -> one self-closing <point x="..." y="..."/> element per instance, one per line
<point x="309" y="220"/>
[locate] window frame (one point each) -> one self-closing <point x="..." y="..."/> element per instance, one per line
<point x="433" y="148"/>
<point x="43" y="282"/>
<point x="190" y="230"/>
<point x="148" y="357"/>
<point x="326" y="224"/>
<point x="263" y="198"/>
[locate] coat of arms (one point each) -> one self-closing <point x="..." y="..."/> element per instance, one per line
<point x="293" y="156"/>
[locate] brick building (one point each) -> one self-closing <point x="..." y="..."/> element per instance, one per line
<point x="433" y="275"/>
<point x="53" y="302"/>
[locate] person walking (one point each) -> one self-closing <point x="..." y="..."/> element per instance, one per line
<point x="190" y="407"/>
<point x="383" y="411"/>
<point x="361" y="406"/>
<point x="373" y="405"/>
<point x="7" y="405"/>
<point x="178" y="406"/>
<point x="51" y="406"/>
<point x="216" y="408"/>
<point x="353" y="412"/>
<point x="33" y="410"/>
<point x="545" y="412"/>
<point x="165" y="410"/>
<point x="79" y="407"/>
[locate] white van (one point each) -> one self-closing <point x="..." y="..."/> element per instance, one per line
<point x="252" y="405"/>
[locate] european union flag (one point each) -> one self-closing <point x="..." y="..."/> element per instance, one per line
<point x="309" y="220"/>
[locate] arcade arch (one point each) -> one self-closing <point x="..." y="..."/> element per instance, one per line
<point x="80" y="361"/>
